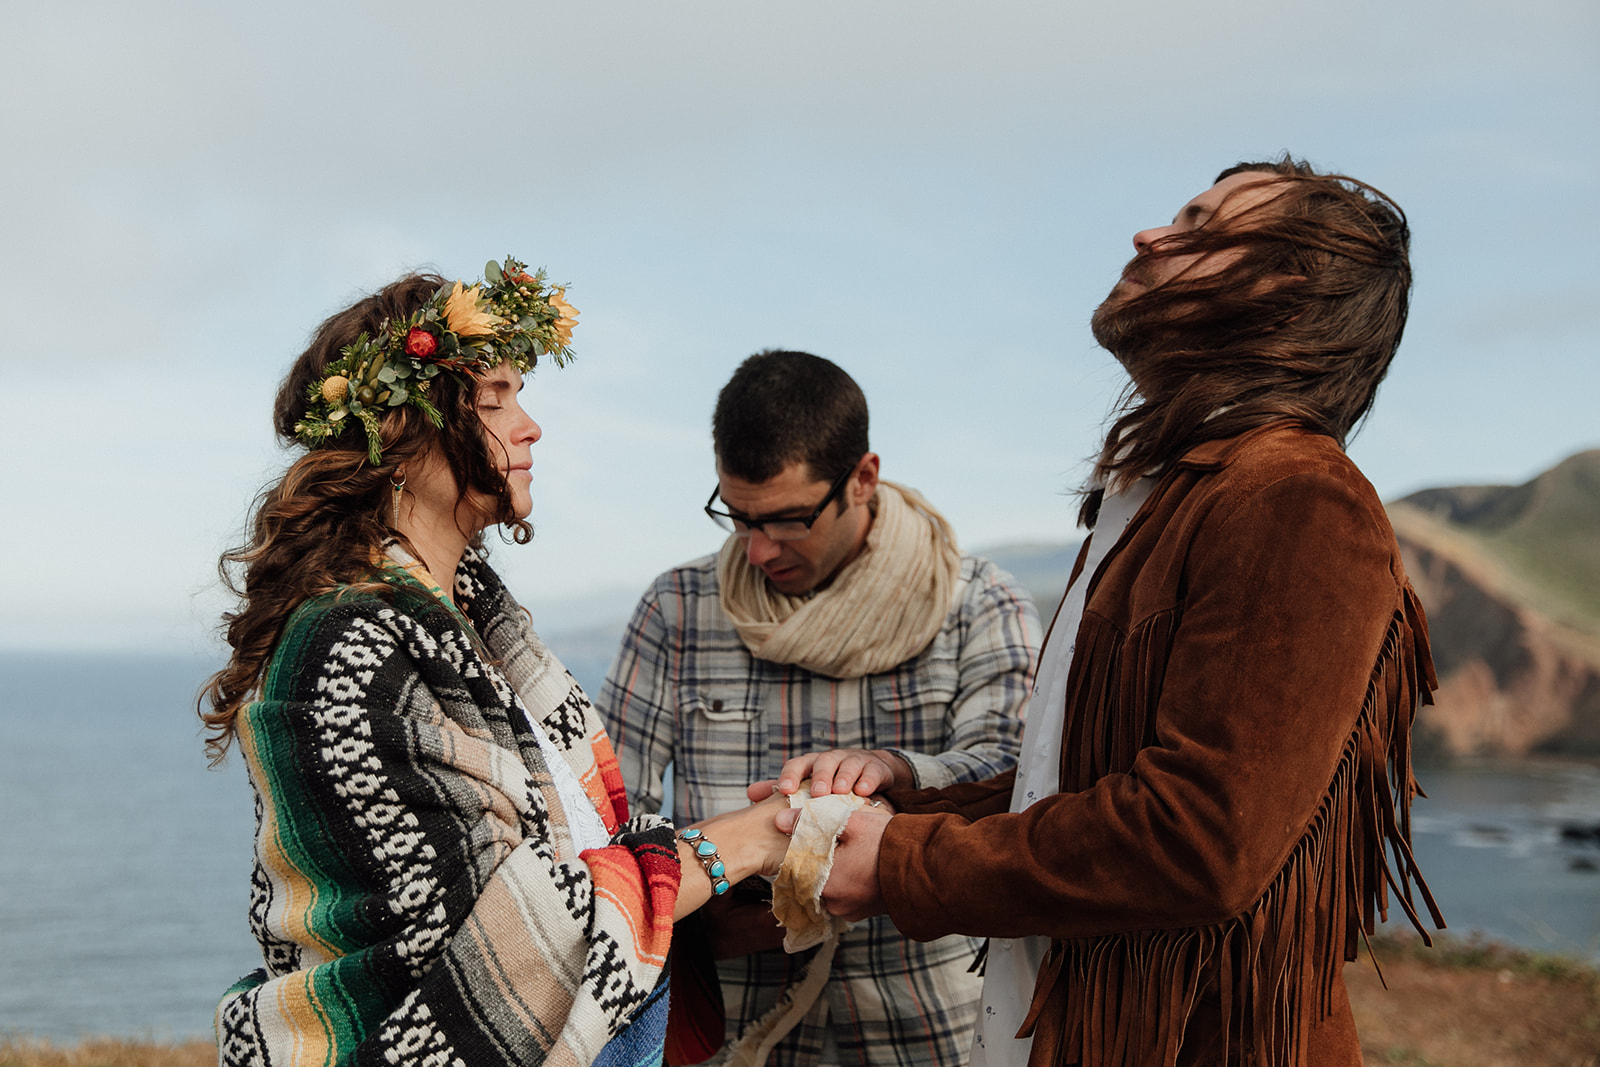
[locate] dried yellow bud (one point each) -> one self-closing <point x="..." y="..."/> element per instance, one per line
<point x="336" y="388"/>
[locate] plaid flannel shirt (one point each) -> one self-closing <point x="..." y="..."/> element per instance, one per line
<point x="684" y="690"/>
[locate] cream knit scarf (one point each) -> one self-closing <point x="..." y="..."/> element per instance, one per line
<point x="883" y="608"/>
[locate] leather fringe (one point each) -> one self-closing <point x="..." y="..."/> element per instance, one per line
<point x="1129" y="999"/>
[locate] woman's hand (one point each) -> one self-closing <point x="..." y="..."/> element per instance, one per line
<point x="754" y="845"/>
<point x="748" y="842"/>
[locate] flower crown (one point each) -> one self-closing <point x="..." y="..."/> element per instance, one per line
<point x="510" y="316"/>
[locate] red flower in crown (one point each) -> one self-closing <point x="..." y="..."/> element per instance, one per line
<point x="421" y="343"/>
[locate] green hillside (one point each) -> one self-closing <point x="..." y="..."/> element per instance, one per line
<point x="1547" y="531"/>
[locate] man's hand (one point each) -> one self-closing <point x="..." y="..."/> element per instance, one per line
<point x="861" y="771"/>
<point x="852" y="891"/>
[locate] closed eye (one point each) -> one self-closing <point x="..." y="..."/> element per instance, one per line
<point x="491" y="395"/>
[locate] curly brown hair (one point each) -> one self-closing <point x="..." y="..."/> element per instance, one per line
<point x="1302" y="326"/>
<point x="321" y="526"/>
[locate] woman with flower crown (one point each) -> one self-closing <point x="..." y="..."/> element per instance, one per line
<point x="445" y="870"/>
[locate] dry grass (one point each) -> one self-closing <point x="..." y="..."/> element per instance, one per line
<point x="105" y="1052"/>
<point x="1461" y="1004"/>
<point x="1468" y="1004"/>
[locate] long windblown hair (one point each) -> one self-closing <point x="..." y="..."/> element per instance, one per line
<point x="1301" y="324"/>
<point x="323" y="524"/>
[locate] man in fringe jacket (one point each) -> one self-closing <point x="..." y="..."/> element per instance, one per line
<point x="840" y="612"/>
<point x="1217" y="752"/>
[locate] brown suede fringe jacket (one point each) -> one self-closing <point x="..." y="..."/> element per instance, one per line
<point x="1236" y="759"/>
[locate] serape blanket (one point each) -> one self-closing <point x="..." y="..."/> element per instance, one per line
<point x="416" y="891"/>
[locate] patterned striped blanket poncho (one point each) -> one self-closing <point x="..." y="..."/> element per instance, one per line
<point x="417" y="893"/>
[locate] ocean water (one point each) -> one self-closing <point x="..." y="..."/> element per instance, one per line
<point x="124" y="861"/>
<point x="1512" y="853"/>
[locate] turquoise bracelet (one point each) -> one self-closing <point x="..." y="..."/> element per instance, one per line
<point x="706" y="852"/>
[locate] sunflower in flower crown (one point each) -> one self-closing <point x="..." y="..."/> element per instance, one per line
<point x="469" y="330"/>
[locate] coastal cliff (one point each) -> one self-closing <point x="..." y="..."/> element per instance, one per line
<point x="1510" y="577"/>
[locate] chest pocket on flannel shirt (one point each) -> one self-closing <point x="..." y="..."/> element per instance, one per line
<point x="911" y="704"/>
<point x="722" y="747"/>
<point x="717" y="704"/>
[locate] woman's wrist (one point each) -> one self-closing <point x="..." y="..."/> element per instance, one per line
<point x="708" y="857"/>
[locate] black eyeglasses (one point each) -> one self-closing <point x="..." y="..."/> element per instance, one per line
<point x="777" y="529"/>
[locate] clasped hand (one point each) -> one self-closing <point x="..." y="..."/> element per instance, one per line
<point x="863" y="771"/>
<point x="852" y="891"/>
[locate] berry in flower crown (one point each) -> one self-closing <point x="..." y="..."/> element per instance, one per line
<point x="510" y="316"/>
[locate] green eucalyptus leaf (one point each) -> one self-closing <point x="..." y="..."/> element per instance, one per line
<point x="397" y="396"/>
<point x="491" y="273"/>
<point x="337" y="414"/>
<point x="387" y="375"/>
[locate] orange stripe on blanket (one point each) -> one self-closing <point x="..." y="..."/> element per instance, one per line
<point x="603" y="783"/>
<point x="643" y="886"/>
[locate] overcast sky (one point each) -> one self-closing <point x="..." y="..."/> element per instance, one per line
<point x="934" y="195"/>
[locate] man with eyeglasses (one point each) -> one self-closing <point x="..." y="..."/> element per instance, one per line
<point x="841" y="616"/>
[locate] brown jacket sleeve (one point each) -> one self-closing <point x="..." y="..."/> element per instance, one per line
<point x="970" y="800"/>
<point x="1288" y="593"/>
